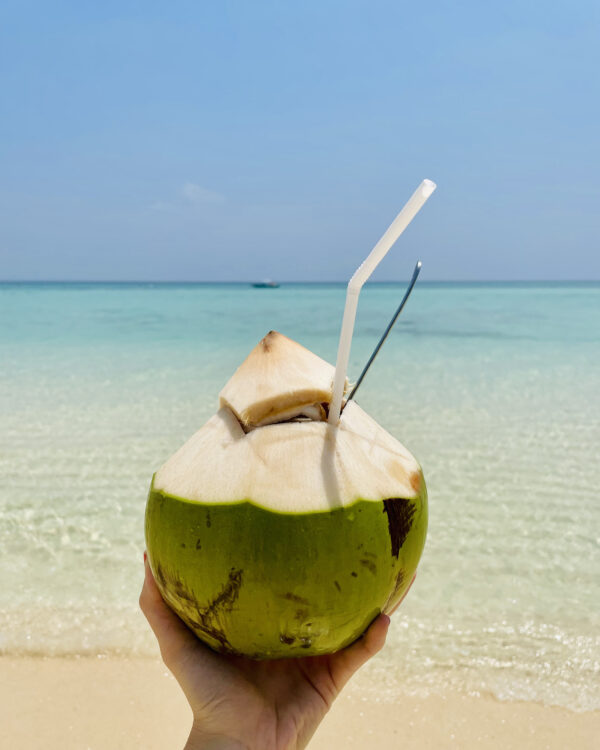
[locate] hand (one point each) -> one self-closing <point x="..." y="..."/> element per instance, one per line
<point x="243" y="704"/>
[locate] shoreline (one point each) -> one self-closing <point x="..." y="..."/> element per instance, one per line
<point x="122" y="703"/>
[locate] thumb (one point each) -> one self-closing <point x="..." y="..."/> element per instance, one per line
<point x="346" y="662"/>
<point x="171" y="633"/>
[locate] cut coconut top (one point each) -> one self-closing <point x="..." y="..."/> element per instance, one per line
<point x="250" y="450"/>
<point x="279" y="380"/>
<point x="293" y="467"/>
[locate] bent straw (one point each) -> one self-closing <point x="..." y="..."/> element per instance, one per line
<point x="362" y="273"/>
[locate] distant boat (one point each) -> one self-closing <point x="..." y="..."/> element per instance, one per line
<point x="265" y="284"/>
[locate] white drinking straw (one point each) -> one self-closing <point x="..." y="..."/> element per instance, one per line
<point x="362" y="273"/>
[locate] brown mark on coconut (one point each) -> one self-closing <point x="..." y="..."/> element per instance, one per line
<point x="287" y="639"/>
<point x="206" y="619"/>
<point x="400" y="578"/>
<point x="369" y="565"/>
<point x="212" y="631"/>
<point x="209" y="631"/>
<point x="294" y="598"/>
<point x="400" y="512"/>
<point x="415" y="481"/>
<point x="337" y="585"/>
<point x="190" y="622"/>
<point x="181" y="591"/>
<point x="399" y="581"/>
<point x="266" y="342"/>
<point x="224" y="601"/>
<point x="174" y="587"/>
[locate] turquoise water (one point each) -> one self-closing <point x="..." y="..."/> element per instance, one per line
<point x="494" y="387"/>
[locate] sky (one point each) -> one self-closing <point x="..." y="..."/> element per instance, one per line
<point x="233" y="140"/>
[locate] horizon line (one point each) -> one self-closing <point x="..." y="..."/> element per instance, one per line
<point x="303" y="281"/>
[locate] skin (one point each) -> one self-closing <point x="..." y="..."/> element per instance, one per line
<point x="243" y="704"/>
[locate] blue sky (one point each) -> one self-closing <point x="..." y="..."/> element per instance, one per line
<point x="244" y="140"/>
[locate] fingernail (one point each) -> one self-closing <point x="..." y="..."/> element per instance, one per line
<point x="145" y="555"/>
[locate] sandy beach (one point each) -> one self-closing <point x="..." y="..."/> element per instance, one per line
<point x="125" y="703"/>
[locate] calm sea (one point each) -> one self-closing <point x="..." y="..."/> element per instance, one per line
<point x="494" y="387"/>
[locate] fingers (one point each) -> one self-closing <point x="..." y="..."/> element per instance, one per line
<point x="194" y="665"/>
<point x="346" y="662"/>
<point x="371" y="642"/>
<point x="172" y="635"/>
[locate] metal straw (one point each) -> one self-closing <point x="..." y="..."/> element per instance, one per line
<point x="413" y="281"/>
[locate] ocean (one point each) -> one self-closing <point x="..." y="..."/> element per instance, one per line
<point x="495" y="388"/>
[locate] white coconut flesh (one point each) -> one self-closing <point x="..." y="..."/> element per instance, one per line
<point x="299" y="466"/>
<point x="279" y="379"/>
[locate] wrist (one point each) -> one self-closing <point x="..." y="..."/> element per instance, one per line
<point x="201" y="740"/>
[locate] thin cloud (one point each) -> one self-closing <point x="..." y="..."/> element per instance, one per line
<point x="198" y="195"/>
<point x="190" y="195"/>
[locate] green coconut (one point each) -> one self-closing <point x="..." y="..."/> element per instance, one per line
<point x="272" y="533"/>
